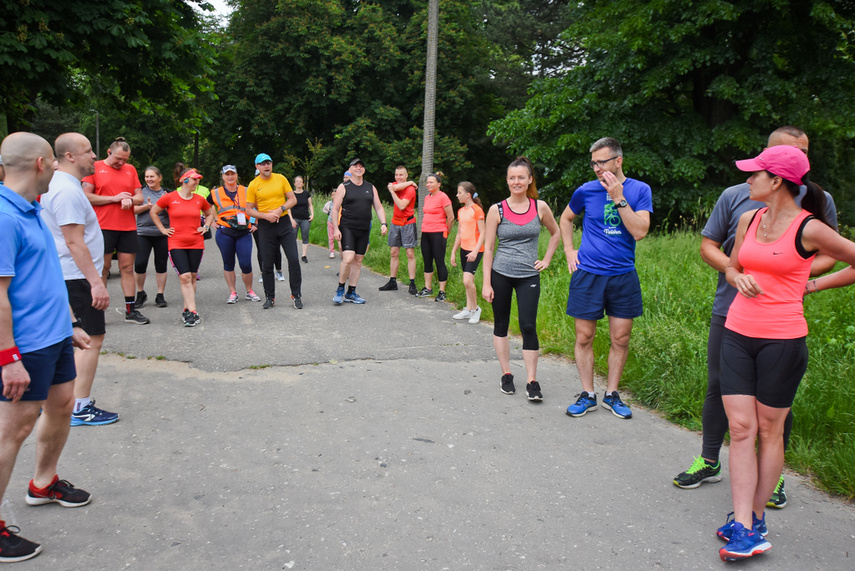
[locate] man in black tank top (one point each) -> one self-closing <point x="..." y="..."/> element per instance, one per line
<point x="353" y="200"/>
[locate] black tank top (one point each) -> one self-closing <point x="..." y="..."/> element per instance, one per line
<point x="356" y="205"/>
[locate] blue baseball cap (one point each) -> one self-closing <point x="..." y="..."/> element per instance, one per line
<point x="262" y="157"/>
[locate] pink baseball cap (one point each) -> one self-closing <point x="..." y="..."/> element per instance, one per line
<point x="784" y="161"/>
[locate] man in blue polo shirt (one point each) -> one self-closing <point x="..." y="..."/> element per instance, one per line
<point x="36" y="337"/>
<point x="617" y="214"/>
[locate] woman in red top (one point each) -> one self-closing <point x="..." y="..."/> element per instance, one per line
<point x="763" y="353"/>
<point x="438" y="218"/>
<point x="470" y="241"/>
<point x="186" y="243"/>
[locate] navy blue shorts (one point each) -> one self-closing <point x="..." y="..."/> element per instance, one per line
<point x="591" y="295"/>
<point x="50" y="366"/>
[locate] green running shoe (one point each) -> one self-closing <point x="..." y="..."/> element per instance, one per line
<point x="697" y="474"/>
<point x="779" y="496"/>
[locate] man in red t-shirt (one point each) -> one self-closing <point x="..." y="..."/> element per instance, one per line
<point x="114" y="190"/>
<point x="402" y="233"/>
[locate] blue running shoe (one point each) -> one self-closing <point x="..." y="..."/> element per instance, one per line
<point x="726" y="531"/>
<point x="339" y="295"/>
<point x="586" y="402"/>
<point x="743" y="543"/>
<point x="354" y="297"/>
<point x="612" y="401"/>
<point x="93" y="416"/>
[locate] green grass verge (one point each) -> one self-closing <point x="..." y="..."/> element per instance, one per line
<point x="666" y="369"/>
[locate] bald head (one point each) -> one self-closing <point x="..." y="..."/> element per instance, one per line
<point x="29" y="164"/>
<point x="74" y="155"/>
<point x="789" y="135"/>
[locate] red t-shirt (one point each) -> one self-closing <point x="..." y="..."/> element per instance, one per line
<point x="435" y="219"/>
<point x="110" y="182"/>
<point x="405" y="216"/>
<point x="184" y="217"/>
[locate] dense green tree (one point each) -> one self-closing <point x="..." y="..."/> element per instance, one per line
<point x="690" y="86"/>
<point x="147" y="55"/>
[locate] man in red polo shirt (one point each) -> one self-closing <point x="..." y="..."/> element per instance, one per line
<point x="114" y="190"/>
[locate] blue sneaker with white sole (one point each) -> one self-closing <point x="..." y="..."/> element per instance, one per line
<point x="743" y="543"/>
<point x="93" y="416"/>
<point x="612" y="401"/>
<point x="354" y="297"/>
<point x="585" y="402"/>
<point x="338" y="298"/>
<point x="725" y="532"/>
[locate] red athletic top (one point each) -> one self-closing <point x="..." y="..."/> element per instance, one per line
<point x="467" y="220"/>
<point x="434" y="212"/>
<point x="184" y="217"/>
<point x="781" y="272"/>
<point x="405" y="217"/>
<point x="110" y="182"/>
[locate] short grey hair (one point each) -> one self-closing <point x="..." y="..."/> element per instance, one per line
<point x="609" y="142"/>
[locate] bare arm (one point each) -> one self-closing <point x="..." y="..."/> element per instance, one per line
<point x="449" y="218"/>
<point x="744" y="283"/>
<point x="145" y="207"/>
<point x="548" y="220"/>
<point x="155" y="210"/>
<point x="15" y="377"/>
<point x="453" y="258"/>
<point x="492" y="224"/>
<point x="566" y="226"/>
<point x="711" y="254"/>
<point x="335" y="212"/>
<point x="74" y="239"/>
<point x="381" y="212"/>
<point x="393" y="190"/>
<point x="99" y="200"/>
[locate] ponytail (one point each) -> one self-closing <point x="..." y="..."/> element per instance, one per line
<point x="814" y="200"/>
<point x="470" y="189"/>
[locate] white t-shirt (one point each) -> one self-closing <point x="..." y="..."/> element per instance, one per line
<point x="65" y="203"/>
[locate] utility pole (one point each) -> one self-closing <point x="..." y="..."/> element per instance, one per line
<point x="430" y="103"/>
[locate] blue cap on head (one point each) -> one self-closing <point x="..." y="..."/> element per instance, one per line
<point x="262" y="157"/>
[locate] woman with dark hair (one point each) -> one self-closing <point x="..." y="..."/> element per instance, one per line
<point x="513" y="266"/>
<point x="763" y="353"/>
<point x="302" y="214"/>
<point x="186" y="244"/>
<point x="150" y="239"/>
<point x="470" y="242"/>
<point x="438" y="218"/>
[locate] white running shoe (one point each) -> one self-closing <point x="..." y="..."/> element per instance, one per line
<point x="476" y="316"/>
<point x="465" y="314"/>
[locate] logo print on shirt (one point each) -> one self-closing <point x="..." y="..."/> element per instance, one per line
<point x="611" y="218"/>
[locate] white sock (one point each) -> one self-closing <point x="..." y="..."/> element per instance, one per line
<point x="79" y="404"/>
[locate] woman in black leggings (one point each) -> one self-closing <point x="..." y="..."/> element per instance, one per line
<point x="150" y="239"/>
<point x="438" y="218"/>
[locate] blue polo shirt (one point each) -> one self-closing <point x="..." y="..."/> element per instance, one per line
<point x="40" y="314"/>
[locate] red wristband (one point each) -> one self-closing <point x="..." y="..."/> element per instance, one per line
<point x="9" y="355"/>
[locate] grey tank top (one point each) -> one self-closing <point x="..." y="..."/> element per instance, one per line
<point x="518" y="236"/>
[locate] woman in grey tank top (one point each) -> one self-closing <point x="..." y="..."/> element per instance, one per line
<point x="513" y="265"/>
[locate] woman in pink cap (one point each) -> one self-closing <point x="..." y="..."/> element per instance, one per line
<point x="764" y="354"/>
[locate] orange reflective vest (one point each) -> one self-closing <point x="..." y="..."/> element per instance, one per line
<point x="227" y="208"/>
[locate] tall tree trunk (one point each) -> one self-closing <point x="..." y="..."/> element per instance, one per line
<point x="430" y="103"/>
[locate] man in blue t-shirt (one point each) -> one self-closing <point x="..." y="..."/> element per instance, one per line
<point x="36" y="337"/>
<point x="604" y="281"/>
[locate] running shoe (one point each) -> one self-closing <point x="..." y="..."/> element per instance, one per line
<point x="233" y="297"/>
<point x="532" y="391"/>
<point x="191" y="318"/>
<point x="465" y="314"/>
<point x="332" y="255"/>
<point x="508" y="384"/>
<point x="425" y="292"/>
<point x="160" y="301"/>
<point x="698" y="473"/>
<point x="268" y="303"/>
<point x="305" y="260"/>
<point x="251" y="296"/>
<point x="440" y="296"/>
<point x="61" y="492"/>
<point x="583" y="404"/>
<point x="619" y="409"/>
<point x="91" y="415"/>
<point x="391" y="285"/>
<point x="298" y="303"/>
<point x="279" y="276"/>
<point x="476" y="316"/>
<point x="338" y="298"/>
<point x="261" y="279"/>
<point x="779" y="496"/>
<point x="142" y="297"/>
<point x="726" y="531"/>
<point x="353" y="297"/>
<point x="743" y="543"/>
<point x="413" y="290"/>
<point x="13" y="547"/>
<point x="134" y="317"/>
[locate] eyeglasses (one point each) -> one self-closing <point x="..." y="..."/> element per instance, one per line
<point x="601" y="164"/>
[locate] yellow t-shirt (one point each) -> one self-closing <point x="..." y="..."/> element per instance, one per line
<point x="268" y="194"/>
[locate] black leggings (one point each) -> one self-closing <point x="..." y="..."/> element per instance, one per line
<point x="528" y="295"/>
<point x="161" y="253"/>
<point x="433" y="250"/>
<point x="277" y="258"/>
<point x="714" y="418"/>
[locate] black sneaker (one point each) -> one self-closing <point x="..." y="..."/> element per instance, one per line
<point x="298" y="303"/>
<point x="425" y="292"/>
<point x="305" y="260"/>
<point x="698" y="473"/>
<point x="60" y="492"/>
<point x="779" y="496"/>
<point x="13" y="547"/>
<point x="142" y="297"/>
<point x="532" y="390"/>
<point x="268" y="303"/>
<point x="508" y="384"/>
<point x="159" y="300"/>
<point x="440" y="297"/>
<point x="391" y="285"/>
<point x="190" y="318"/>
<point x="413" y="290"/>
<point x="136" y="317"/>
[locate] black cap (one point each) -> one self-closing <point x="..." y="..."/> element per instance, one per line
<point x="357" y="161"/>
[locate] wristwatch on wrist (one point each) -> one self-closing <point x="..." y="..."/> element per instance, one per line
<point x="621" y="204"/>
<point x="76" y="324"/>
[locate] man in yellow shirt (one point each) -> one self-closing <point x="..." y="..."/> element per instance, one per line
<point x="269" y="198"/>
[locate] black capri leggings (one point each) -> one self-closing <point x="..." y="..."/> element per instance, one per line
<point x="433" y="251"/>
<point x="161" y="253"/>
<point x="185" y="260"/>
<point x="528" y="296"/>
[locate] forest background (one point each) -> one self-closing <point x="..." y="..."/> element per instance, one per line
<point x="687" y="86"/>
